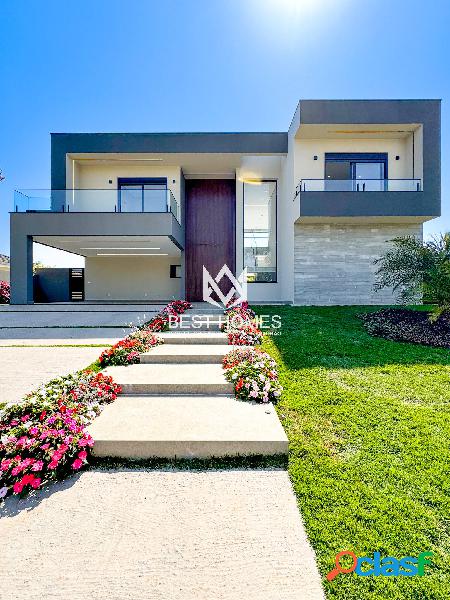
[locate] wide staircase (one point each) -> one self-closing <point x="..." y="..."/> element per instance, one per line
<point x="177" y="403"/>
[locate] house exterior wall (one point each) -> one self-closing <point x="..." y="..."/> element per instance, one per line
<point x="308" y="168"/>
<point x="130" y="278"/>
<point x="334" y="262"/>
<point x="97" y="176"/>
<point x="326" y="240"/>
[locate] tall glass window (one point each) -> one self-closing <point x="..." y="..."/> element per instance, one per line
<point x="260" y="231"/>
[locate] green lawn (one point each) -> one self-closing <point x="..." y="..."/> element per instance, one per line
<point x="368" y="422"/>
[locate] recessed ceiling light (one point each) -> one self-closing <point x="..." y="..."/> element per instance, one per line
<point x="120" y="248"/>
<point x="128" y="254"/>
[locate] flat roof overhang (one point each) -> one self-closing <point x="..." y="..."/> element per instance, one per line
<point x="107" y="246"/>
<point x="179" y="149"/>
<point x="98" y="224"/>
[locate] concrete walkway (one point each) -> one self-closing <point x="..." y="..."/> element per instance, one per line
<point x="171" y="535"/>
<point x="177" y="403"/>
<point x="24" y="369"/>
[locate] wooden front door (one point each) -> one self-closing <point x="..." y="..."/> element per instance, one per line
<point x="210" y="231"/>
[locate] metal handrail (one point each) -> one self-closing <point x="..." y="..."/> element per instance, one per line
<point x="360" y="185"/>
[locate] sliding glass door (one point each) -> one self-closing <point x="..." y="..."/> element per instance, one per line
<point x="142" y="195"/>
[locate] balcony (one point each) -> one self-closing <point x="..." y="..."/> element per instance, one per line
<point x="360" y="185"/>
<point x="96" y="201"/>
<point x="389" y="199"/>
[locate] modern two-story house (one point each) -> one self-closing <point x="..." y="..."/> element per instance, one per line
<point x="305" y="211"/>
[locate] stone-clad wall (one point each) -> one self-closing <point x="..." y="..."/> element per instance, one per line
<point x="334" y="263"/>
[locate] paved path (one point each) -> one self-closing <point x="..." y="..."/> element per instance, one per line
<point x="23" y="369"/>
<point x="139" y="535"/>
<point x="162" y="535"/>
<point x="71" y="335"/>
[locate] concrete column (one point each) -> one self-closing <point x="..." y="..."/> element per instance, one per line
<point x="21" y="268"/>
<point x="182" y="295"/>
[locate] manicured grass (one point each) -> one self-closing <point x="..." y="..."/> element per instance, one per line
<point x="368" y="422"/>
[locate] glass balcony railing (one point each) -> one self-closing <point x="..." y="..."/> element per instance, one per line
<point x="360" y="185"/>
<point x="123" y="201"/>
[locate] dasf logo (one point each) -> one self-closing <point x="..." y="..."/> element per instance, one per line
<point x="237" y="292"/>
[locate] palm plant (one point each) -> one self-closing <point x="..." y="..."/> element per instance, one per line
<point x="416" y="269"/>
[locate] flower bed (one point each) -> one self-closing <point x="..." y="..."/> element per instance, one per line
<point x="5" y="292"/>
<point x="253" y="374"/>
<point x="44" y="437"/>
<point x="240" y="326"/>
<point x="405" y="325"/>
<point x="169" y="314"/>
<point x="126" y="352"/>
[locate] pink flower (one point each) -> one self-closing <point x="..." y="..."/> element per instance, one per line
<point x="77" y="464"/>
<point x="38" y="465"/>
<point x="4" y="466"/>
<point x="18" y="487"/>
<point x="82" y="455"/>
<point x="33" y="430"/>
<point x="53" y="464"/>
<point x="45" y="446"/>
<point x="16" y="471"/>
<point x="35" y="483"/>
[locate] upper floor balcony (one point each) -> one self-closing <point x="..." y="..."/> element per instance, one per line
<point x="360" y="185"/>
<point x="121" y="200"/>
<point x="365" y="198"/>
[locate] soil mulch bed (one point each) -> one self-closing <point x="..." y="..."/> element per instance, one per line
<point x="405" y="325"/>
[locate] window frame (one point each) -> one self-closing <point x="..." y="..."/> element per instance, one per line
<point x="142" y="181"/>
<point x="268" y="180"/>
<point x="357" y="157"/>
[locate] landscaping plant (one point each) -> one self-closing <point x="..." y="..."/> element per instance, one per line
<point x="241" y="327"/>
<point x="405" y="325"/>
<point x="253" y="374"/>
<point x="414" y="268"/>
<point x="5" y="292"/>
<point x="169" y="314"/>
<point x="44" y="437"/>
<point x="127" y="351"/>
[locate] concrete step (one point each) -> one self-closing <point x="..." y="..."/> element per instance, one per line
<point x="185" y="353"/>
<point x="186" y="427"/>
<point x="171" y="379"/>
<point x="197" y="323"/>
<point x="194" y="337"/>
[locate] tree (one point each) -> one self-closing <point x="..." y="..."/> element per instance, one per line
<point x="414" y="269"/>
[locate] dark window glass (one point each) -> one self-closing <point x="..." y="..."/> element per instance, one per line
<point x="142" y="195"/>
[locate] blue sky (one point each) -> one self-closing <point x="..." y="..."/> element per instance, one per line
<point x="215" y="65"/>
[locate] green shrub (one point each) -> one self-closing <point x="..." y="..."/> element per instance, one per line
<point x="416" y="269"/>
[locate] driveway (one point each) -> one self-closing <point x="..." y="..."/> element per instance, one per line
<point x="39" y="328"/>
<point x="75" y="315"/>
<point x="23" y="369"/>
